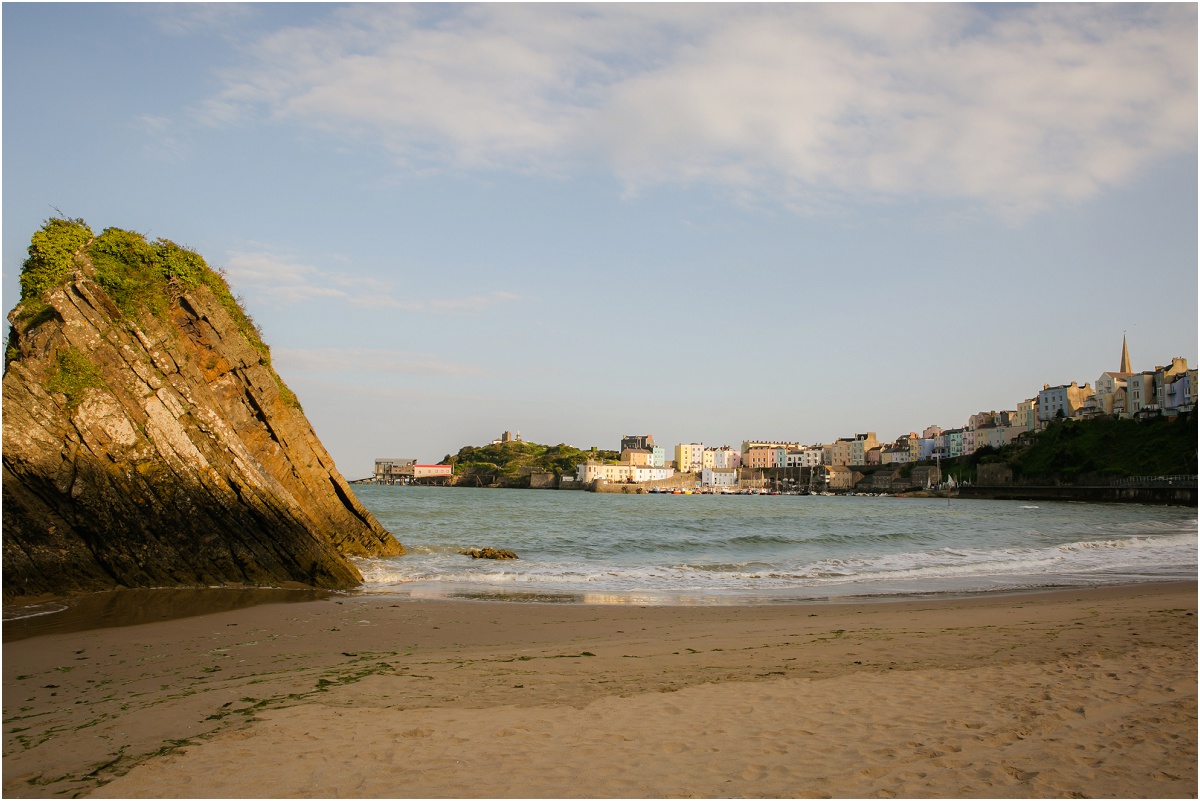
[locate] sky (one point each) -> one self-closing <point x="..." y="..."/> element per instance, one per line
<point x="708" y="222"/>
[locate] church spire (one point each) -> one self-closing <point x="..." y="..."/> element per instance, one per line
<point x="1125" y="366"/>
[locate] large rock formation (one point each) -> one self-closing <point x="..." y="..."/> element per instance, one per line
<point x="147" y="440"/>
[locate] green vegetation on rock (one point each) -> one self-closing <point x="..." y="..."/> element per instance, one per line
<point x="511" y="460"/>
<point x="140" y="276"/>
<point x="75" y="374"/>
<point x="51" y="258"/>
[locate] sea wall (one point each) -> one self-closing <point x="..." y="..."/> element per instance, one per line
<point x="1169" y="496"/>
<point x="677" y="481"/>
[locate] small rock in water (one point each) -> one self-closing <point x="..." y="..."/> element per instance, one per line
<point x="489" y="553"/>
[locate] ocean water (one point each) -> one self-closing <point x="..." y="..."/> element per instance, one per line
<point x="712" y="549"/>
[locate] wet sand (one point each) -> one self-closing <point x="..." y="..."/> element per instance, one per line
<point x="1070" y="693"/>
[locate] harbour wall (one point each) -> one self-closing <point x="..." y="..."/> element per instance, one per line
<point x="1163" y="496"/>
<point x="677" y="481"/>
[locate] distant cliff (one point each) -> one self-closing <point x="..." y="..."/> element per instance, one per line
<point x="148" y="442"/>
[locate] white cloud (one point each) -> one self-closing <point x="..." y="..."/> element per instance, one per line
<point x="284" y="280"/>
<point x="1015" y="107"/>
<point x="374" y="361"/>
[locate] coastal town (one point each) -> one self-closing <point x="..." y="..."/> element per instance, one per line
<point x="860" y="462"/>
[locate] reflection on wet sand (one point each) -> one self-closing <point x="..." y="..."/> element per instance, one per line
<point x="138" y="606"/>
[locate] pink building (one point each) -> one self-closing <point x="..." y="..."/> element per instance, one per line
<point x="759" y="458"/>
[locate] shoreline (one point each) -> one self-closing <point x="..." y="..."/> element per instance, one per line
<point x="1048" y="493"/>
<point x="1088" y="690"/>
<point x="35" y="617"/>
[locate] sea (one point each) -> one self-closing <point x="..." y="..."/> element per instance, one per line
<point x="662" y="549"/>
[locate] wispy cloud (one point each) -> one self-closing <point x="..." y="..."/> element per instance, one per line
<point x="284" y="279"/>
<point x="184" y="19"/>
<point x="1015" y="107"/>
<point x="374" y="361"/>
<point x="159" y="140"/>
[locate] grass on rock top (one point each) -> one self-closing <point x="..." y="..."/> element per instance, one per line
<point x="140" y="276"/>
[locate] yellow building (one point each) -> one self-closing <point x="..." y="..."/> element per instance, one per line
<point x="636" y="456"/>
<point x="689" y="457"/>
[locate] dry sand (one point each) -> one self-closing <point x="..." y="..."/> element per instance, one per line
<point x="1072" y="693"/>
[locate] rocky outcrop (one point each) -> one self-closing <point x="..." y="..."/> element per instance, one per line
<point x="161" y="449"/>
<point x="489" y="553"/>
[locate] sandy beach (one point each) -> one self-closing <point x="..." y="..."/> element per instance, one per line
<point x="1078" y="693"/>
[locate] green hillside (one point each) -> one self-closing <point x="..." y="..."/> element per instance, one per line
<point x="511" y="460"/>
<point x="1109" y="448"/>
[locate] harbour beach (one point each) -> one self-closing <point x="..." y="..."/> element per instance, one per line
<point x="1073" y="692"/>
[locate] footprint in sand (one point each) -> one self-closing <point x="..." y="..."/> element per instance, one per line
<point x="417" y="733"/>
<point x="754" y="773"/>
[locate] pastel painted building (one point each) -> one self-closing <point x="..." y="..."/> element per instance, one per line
<point x="1111" y="387"/>
<point x="689" y="457"/>
<point x="754" y="443"/>
<point x="860" y="445"/>
<point x="1148" y="392"/>
<point x="719" y="477"/>
<point x="726" y="457"/>
<point x="1025" y="417"/>
<point x="841" y="451"/>
<point x="838" y="477"/>
<point x="652" y="473"/>
<point x="639" y="456"/>
<point x="760" y="458"/>
<point x="1060" y="401"/>
<point x="621" y="473"/>
<point x="954" y="443"/>
<point x="1164" y="377"/>
<point x="597" y="471"/>
<point x="1181" y="393"/>
<point x="658" y="456"/>
<point x="804" y="457"/>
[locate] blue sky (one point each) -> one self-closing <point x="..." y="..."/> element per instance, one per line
<point x="704" y="222"/>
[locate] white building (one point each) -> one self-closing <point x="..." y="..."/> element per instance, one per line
<point x="726" y="457"/>
<point x="621" y="473"/>
<point x="719" y="477"/>
<point x="651" y="473"/>
<point x="804" y="457"/>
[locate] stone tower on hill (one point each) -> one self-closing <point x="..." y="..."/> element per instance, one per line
<point x="1125" y="364"/>
<point x="148" y="442"/>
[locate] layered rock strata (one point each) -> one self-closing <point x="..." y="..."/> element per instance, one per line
<point x="176" y="456"/>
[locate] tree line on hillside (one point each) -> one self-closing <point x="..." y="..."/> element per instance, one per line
<point x="511" y="460"/>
